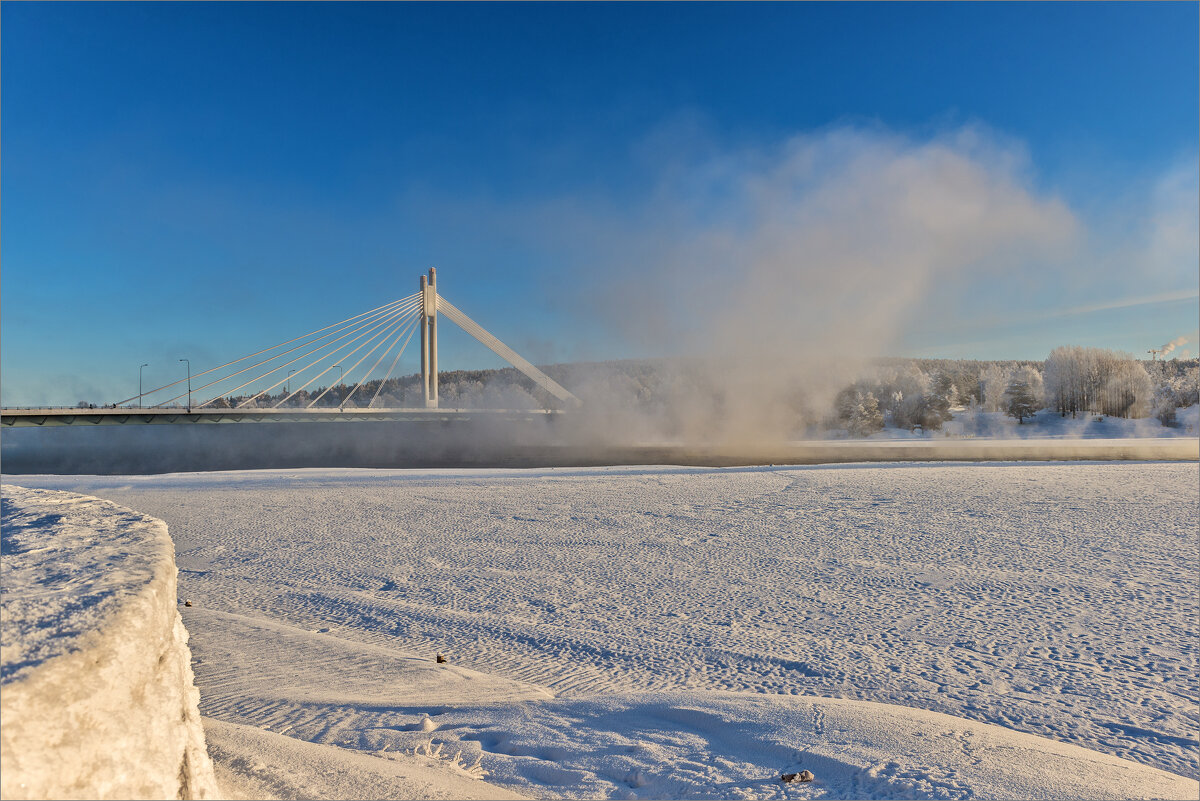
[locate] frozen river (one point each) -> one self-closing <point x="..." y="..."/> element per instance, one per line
<point x="1057" y="599"/>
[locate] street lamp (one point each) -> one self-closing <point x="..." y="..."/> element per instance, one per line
<point x="189" y="369"/>
<point x="290" y="381"/>
<point x="147" y="364"/>
<point x="340" y="374"/>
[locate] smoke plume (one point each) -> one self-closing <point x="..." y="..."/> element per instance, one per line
<point x="1172" y="345"/>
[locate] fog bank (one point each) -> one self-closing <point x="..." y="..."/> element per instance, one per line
<point x="146" y="449"/>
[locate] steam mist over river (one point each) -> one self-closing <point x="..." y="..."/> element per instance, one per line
<point x="146" y="449"/>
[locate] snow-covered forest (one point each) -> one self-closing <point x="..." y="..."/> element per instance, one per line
<point x="1073" y="381"/>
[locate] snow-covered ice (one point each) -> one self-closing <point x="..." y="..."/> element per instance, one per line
<point x="97" y="698"/>
<point x="692" y="624"/>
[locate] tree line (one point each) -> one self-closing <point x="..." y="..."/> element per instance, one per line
<point x="1072" y="381"/>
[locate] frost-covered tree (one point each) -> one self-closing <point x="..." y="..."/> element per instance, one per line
<point x="1021" y="402"/>
<point x="993" y="382"/>
<point x="1176" y="385"/>
<point x="917" y="410"/>
<point x="1065" y="387"/>
<point x="1164" y="404"/>
<point x="846" y="402"/>
<point x="1032" y="391"/>
<point x="942" y="395"/>
<point x="1083" y="380"/>
<point x="865" y="418"/>
<point x="1187" y="387"/>
<point x="1126" y="391"/>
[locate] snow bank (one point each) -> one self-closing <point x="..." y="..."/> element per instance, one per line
<point x="738" y="745"/>
<point x="259" y="764"/>
<point x="98" y="697"/>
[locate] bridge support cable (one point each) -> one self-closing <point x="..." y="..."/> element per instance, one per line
<point x="399" y="335"/>
<point x="403" y="310"/>
<point x="412" y="330"/>
<point x="398" y="327"/>
<point x="352" y="330"/>
<point x="378" y="319"/>
<point x="373" y="332"/>
<point x="504" y="351"/>
<point x="378" y="310"/>
<point x="279" y="368"/>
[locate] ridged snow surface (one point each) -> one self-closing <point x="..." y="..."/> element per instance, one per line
<point x="97" y="699"/>
<point x="977" y="626"/>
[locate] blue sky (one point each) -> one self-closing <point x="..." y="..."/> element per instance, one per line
<point x="203" y="180"/>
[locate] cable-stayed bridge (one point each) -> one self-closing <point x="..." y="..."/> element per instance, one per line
<point x="358" y="347"/>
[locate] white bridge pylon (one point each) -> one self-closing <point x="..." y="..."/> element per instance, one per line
<point x="431" y="304"/>
<point x="331" y="347"/>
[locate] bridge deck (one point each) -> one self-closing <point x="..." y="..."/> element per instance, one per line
<point x="126" y="416"/>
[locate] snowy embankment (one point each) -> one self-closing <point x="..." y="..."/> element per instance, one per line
<point x="98" y="697"/>
<point x="901" y="630"/>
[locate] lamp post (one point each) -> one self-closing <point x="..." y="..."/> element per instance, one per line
<point x="290" y="381"/>
<point x="340" y="374"/>
<point x="189" y="369"/>
<point x="147" y="364"/>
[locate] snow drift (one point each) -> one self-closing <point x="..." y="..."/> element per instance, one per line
<point x="98" y="696"/>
